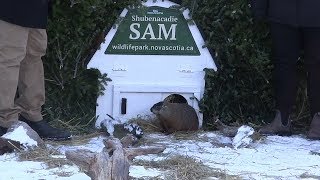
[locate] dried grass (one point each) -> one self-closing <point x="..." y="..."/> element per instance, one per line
<point x="77" y="140"/>
<point x="308" y="176"/>
<point x="63" y="173"/>
<point x="186" y="135"/>
<point x="147" y="123"/>
<point x="48" y="156"/>
<point x="75" y="125"/>
<point x="184" y="168"/>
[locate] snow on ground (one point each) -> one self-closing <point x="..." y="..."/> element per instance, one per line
<point x="11" y="168"/>
<point x="274" y="157"/>
<point x="20" y="134"/>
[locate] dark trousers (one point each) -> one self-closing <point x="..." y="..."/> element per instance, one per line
<point x="288" y="41"/>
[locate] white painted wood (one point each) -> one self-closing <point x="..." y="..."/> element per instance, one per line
<point x="147" y="79"/>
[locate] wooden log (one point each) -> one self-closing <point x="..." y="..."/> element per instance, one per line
<point x="128" y="140"/>
<point x="112" y="163"/>
<point x="120" y="163"/>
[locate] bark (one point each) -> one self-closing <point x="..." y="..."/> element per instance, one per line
<point x="112" y="163"/>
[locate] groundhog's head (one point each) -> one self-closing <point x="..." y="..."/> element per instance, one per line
<point x="156" y="107"/>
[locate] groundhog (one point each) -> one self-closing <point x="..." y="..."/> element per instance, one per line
<point x="176" y="117"/>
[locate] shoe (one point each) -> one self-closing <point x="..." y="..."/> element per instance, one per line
<point x="276" y="127"/>
<point x="45" y="131"/>
<point x="314" y="132"/>
<point x="3" y="131"/>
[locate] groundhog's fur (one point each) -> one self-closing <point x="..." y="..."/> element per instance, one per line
<point x="177" y="117"/>
<point x="175" y="98"/>
<point x="156" y="108"/>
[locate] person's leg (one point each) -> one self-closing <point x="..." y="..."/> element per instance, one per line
<point x="286" y="42"/>
<point x="311" y="37"/>
<point x="286" y="45"/>
<point x="32" y="90"/>
<point x="31" y="78"/>
<point x="13" y="41"/>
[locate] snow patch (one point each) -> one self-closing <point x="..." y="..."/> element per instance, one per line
<point x="94" y="145"/>
<point x="242" y="138"/>
<point x="109" y="125"/>
<point x="12" y="168"/>
<point x="20" y="134"/>
<point x="276" y="157"/>
<point x="140" y="172"/>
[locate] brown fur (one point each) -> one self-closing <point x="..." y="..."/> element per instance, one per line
<point x="178" y="117"/>
<point x="175" y="98"/>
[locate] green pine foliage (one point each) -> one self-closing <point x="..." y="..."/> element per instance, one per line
<point x="75" y="30"/>
<point x="239" y="92"/>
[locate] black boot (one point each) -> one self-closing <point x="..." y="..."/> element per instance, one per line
<point x="276" y="127"/>
<point x="45" y="131"/>
<point x="3" y="130"/>
<point x="314" y="132"/>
